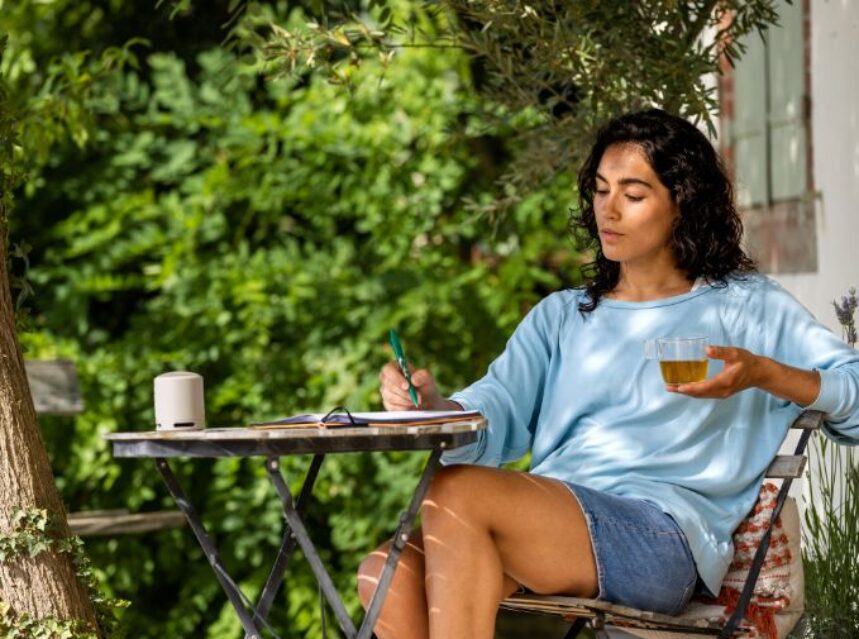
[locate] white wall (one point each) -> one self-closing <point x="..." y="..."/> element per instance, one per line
<point x="835" y="134"/>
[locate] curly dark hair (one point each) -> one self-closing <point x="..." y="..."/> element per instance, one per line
<point x="708" y="231"/>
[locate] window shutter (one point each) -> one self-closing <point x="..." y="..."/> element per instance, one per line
<point x="749" y="125"/>
<point x="787" y="91"/>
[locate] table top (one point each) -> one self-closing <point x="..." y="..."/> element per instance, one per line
<point x="251" y="442"/>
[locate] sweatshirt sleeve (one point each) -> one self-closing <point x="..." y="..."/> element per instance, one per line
<point x="511" y="392"/>
<point x="794" y="337"/>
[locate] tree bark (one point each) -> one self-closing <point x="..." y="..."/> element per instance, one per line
<point x="45" y="585"/>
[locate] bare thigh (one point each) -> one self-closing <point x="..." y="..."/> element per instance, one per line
<point x="410" y="568"/>
<point x="535" y="523"/>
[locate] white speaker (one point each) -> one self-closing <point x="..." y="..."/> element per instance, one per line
<point x="179" y="401"/>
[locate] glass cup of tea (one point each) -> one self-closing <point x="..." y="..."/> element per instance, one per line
<point x="681" y="359"/>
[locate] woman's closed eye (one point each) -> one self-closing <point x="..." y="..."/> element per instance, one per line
<point x="629" y="196"/>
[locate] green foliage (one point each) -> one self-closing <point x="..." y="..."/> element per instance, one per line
<point x="267" y="235"/>
<point x="43" y="109"/>
<point x="14" y="626"/>
<point x="34" y="532"/>
<point x="559" y="69"/>
<point x="186" y="213"/>
<point x="29" y="537"/>
<point x="831" y="533"/>
<point x="831" y="543"/>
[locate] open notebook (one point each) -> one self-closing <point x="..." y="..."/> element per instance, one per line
<point x="374" y="419"/>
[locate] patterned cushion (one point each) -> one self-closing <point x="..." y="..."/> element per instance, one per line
<point x="779" y="596"/>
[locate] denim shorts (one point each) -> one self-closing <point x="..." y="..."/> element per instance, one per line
<point x="642" y="557"/>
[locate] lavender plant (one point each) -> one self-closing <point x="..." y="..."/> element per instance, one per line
<point x="831" y="544"/>
<point x="831" y="531"/>
<point x="846" y="312"/>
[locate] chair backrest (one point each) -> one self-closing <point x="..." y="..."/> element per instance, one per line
<point x="792" y="466"/>
<point x="54" y="387"/>
<point x="786" y="467"/>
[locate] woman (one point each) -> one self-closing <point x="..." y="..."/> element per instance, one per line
<point x="635" y="486"/>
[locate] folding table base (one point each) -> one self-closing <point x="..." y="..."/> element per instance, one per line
<point x="234" y="594"/>
<point x="253" y="617"/>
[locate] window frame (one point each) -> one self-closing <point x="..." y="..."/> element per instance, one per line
<point x="780" y="234"/>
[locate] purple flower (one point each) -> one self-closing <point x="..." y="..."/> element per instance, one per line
<point x="845" y="312"/>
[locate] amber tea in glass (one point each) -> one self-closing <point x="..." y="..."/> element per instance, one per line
<point x="681" y="359"/>
<point x="683" y="371"/>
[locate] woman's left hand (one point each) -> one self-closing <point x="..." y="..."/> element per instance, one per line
<point x="742" y="371"/>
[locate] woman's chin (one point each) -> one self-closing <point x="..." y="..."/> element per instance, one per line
<point x="612" y="254"/>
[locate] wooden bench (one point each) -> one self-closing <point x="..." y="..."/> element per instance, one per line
<point x="600" y="615"/>
<point x="56" y="391"/>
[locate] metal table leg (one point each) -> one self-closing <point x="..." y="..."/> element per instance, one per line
<point x="281" y="563"/>
<point x="296" y="532"/>
<point x="402" y="536"/>
<point x="295" y="523"/>
<point x="233" y="593"/>
<point x="298" y="529"/>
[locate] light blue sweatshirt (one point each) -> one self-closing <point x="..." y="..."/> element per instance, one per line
<point x="579" y="393"/>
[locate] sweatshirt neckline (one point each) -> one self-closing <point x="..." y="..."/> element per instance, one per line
<point x="664" y="301"/>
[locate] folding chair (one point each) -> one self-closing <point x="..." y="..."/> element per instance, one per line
<point x="599" y="614"/>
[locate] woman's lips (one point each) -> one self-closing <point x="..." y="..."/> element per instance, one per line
<point x="610" y="236"/>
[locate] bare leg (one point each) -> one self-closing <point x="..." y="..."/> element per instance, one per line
<point x="404" y="613"/>
<point x="480" y="524"/>
<point x="486" y="531"/>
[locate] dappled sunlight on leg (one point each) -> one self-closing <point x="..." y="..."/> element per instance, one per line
<point x="431" y="509"/>
<point x="463" y="585"/>
<point x="485" y="531"/>
<point x="403" y="613"/>
<point x="435" y="578"/>
<point x="367" y="579"/>
<point x="403" y="567"/>
<point x="385" y="630"/>
<point x="539" y="484"/>
<point x="463" y="577"/>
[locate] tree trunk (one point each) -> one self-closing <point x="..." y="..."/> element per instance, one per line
<point x="45" y="585"/>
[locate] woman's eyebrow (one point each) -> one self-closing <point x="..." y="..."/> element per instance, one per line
<point x="628" y="180"/>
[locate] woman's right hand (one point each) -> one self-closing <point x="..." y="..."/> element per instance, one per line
<point x="395" y="390"/>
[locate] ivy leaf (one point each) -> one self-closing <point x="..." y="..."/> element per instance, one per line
<point x="39" y="546"/>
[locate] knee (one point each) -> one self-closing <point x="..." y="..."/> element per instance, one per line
<point x="408" y="579"/>
<point x="448" y="486"/>
<point x="369" y="571"/>
<point x="450" y="496"/>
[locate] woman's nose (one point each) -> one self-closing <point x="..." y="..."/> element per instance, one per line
<point x="610" y="209"/>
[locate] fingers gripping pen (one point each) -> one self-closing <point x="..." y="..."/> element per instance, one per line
<point x="404" y="367"/>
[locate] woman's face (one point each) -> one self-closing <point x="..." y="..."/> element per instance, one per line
<point x="634" y="210"/>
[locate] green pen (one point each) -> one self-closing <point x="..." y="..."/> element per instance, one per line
<point x="404" y="367"/>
